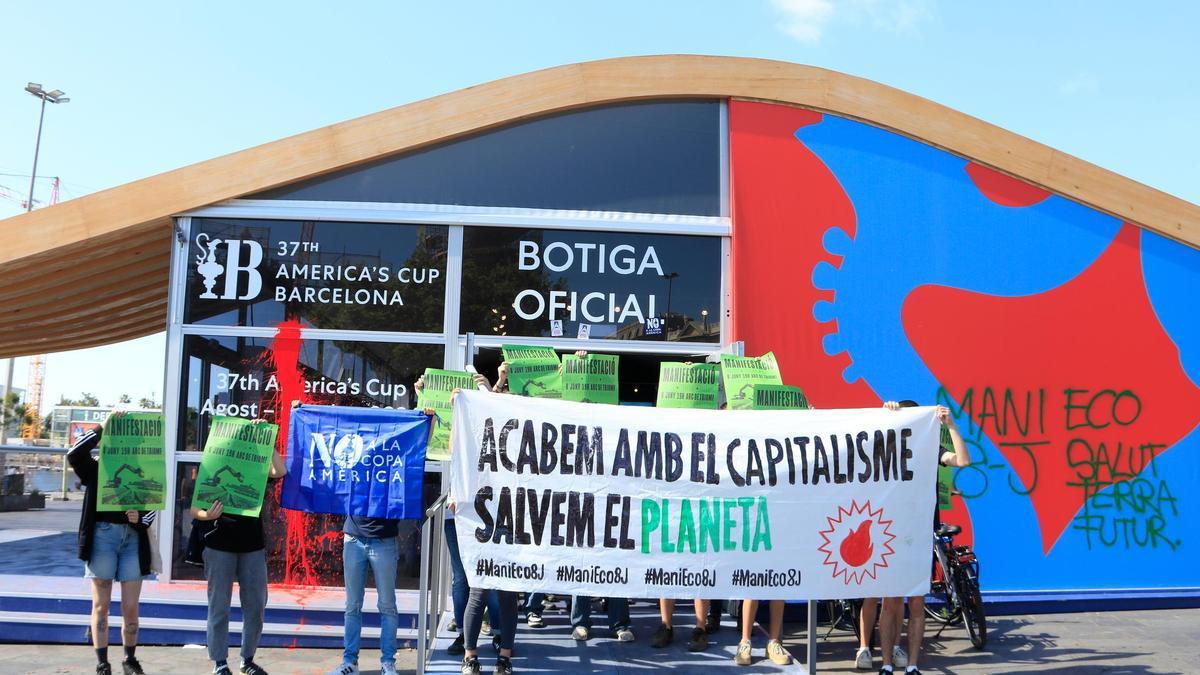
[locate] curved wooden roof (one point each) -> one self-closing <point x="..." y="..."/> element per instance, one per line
<point x="93" y="270"/>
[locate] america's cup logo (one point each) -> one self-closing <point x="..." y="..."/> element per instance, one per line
<point x="234" y="266"/>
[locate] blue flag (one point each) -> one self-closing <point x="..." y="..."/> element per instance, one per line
<point x="356" y="461"/>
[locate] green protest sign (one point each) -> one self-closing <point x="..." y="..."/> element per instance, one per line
<point x="533" y="371"/>
<point x="688" y="385"/>
<point x="234" y="468"/>
<point x="741" y="373"/>
<point x="945" y="484"/>
<point x="435" y="394"/>
<point x="778" y="397"/>
<point x="591" y="379"/>
<point x="133" y="465"/>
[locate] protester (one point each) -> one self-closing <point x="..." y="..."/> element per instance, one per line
<point x="533" y="606"/>
<point x="866" y="628"/>
<point x="460" y="590"/>
<point x="114" y="545"/>
<point x="502" y="604"/>
<point x="235" y="550"/>
<point x="618" y="618"/>
<point x="369" y="543"/>
<point x="666" y="630"/>
<point x="893" y="608"/>
<point x="775" y="651"/>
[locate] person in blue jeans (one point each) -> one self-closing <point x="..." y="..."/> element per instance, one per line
<point x="115" y="546"/>
<point x="533" y="606"/>
<point x="369" y="543"/>
<point x="618" y="618"/>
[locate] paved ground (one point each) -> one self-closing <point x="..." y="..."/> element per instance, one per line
<point x="1113" y="643"/>
<point x="53" y="553"/>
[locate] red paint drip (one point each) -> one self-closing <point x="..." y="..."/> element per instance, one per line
<point x="284" y="357"/>
<point x="857" y="547"/>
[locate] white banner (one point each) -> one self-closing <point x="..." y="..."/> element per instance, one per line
<point x="612" y="501"/>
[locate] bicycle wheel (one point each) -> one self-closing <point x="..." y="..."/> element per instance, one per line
<point x="943" y="609"/>
<point x="972" y="609"/>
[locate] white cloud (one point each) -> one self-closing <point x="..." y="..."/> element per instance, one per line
<point x="1082" y="83"/>
<point x="804" y="19"/>
<point x="807" y="20"/>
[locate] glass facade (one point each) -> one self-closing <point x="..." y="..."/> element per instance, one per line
<point x="660" y="157"/>
<point x="350" y="276"/>
<point x="516" y="282"/>
<point x="352" y="313"/>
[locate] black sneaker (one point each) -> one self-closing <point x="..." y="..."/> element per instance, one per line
<point x="252" y="668"/>
<point x="470" y="666"/>
<point x="103" y="669"/>
<point x="712" y="624"/>
<point x="496" y="645"/>
<point x="222" y="669"/>
<point x="663" y="636"/>
<point x="503" y="666"/>
<point x="456" y="647"/>
<point x="699" y="641"/>
<point x="130" y="666"/>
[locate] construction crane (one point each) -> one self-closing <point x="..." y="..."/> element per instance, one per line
<point x="36" y="382"/>
<point x="33" y="396"/>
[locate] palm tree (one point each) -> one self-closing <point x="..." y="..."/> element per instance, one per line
<point x="14" y="413"/>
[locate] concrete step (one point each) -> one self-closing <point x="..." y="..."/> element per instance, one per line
<point x="58" y="610"/>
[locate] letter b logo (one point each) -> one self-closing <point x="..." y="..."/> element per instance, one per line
<point x="234" y="267"/>
<point x="243" y="256"/>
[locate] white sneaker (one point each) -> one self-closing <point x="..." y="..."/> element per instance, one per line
<point x="346" y="669"/>
<point x="580" y="633"/>
<point x="863" y="660"/>
<point x="899" y="657"/>
<point x="388" y="669"/>
<point x="624" y="635"/>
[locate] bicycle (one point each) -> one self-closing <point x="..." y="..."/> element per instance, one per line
<point x="955" y="586"/>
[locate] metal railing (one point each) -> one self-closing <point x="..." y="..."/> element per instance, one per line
<point x="40" y="450"/>
<point x="429" y="609"/>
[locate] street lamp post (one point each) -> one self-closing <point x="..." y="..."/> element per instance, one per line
<point x="52" y="96"/>
<point x="670" y="277"/>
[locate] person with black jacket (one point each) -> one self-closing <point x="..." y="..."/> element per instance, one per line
<point x="235" y="550"/>
<point x="115" y="546"/>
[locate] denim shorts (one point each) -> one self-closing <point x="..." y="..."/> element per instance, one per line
<point x="114" y="554"/>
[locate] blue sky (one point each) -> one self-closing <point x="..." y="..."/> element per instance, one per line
<point x="155" y="86"/>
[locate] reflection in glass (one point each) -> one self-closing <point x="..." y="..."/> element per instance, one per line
<point x="624" y="286"/>
<point x="246" y="377"/>
<point x="346" y="276"/>
<point x="644" y="157"/>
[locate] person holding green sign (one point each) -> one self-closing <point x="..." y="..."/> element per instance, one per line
<point x="115" y="546"/>
<point x="892" y="614"/>
<point x="234" y="546"/>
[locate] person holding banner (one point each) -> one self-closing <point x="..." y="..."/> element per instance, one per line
<point x="460" y="590"/>
<point x="892" y="614"/>
<point x="369" y="543"/>
<point x="618" y="618"/>
<point x="666" y="630"/>
<point x="502" y="606"/>
<point x="115" y="546"/>
<point x="235" y="550"/>
<point x="775" y="651"/>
